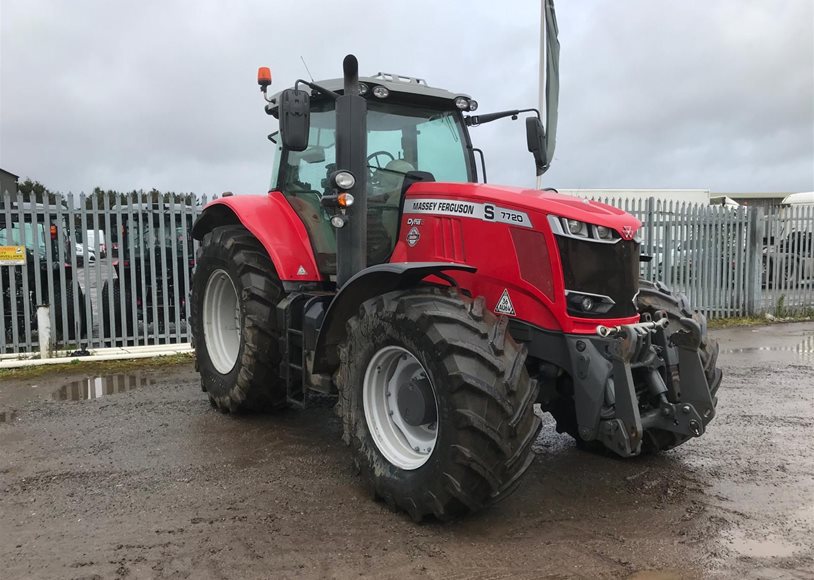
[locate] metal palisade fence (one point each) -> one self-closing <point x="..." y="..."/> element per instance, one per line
<point x="729" y="261"/>
<point x="116" y="270"/>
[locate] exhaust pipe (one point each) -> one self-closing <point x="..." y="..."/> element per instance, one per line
<point x="351" y="155"/>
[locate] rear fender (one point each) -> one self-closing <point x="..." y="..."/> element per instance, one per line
<point x="370" y="282"/>
<point x="273" y="221"/>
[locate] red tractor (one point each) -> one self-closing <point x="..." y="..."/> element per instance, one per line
<point x="437" y="308"/>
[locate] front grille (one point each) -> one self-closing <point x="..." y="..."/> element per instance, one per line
<point x="601" y="269"/>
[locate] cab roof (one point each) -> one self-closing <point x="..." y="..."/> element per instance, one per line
<point x="397" y="84"/>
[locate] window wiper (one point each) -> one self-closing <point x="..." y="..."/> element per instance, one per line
<point x="318" y="88"/>
<point x="387" y="170"/>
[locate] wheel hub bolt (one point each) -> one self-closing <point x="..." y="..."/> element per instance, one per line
<point x="686" y="409"/>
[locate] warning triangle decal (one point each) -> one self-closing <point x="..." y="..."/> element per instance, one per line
<point x="504" y="304"/>
<point x="301" y="271"/>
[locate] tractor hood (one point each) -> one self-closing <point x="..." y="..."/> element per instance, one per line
<point x="531" y="201"/>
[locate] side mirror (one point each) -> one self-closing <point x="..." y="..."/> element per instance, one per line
<point x="295" y="119"/>
<point x="535" y="137"/>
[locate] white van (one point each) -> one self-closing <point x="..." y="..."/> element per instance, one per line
<point x="797" y="199"/>
<point x="94" y="236"/>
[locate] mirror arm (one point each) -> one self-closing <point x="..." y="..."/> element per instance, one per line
<point x="475" y="120"/>
<point x="317" y="88"/>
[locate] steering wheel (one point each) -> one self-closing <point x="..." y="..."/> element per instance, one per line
<point x="375" y="157"/>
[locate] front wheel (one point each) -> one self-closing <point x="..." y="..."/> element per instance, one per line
<point x="436" y="402"/>
<point x="235" y="291"/>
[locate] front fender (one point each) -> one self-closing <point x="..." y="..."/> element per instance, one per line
<point x="272" y="220"/>
<point x="370" y="282"/>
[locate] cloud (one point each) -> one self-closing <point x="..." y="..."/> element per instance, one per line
<point x="654" y="93"/>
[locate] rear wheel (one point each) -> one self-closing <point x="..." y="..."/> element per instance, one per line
<point x="235" y="291"/>
<point x="436" y="402"/>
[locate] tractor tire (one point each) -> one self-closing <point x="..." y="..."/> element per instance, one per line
<point x="651" y="298"/>
<point x="238" y="363"/>
<point x="484" y="422"/>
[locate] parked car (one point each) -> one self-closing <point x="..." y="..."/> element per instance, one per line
<point x="789" y="261"/>
<point x="84" y="255"/>
<point x="788" y="253"/>
<point x="92" y="237"/>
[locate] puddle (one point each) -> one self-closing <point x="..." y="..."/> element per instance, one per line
<point x="7" y="416"/>
<point x="766" y="547"/>
<point x="803" y="350"/>
<point x="98" y="387"/>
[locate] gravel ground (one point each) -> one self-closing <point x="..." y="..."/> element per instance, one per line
<point x="145" y="479"/>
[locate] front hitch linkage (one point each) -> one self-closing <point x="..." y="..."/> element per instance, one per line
<point x="623" y="433"/>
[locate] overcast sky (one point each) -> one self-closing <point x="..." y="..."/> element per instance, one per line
<point x="125" y="95"/>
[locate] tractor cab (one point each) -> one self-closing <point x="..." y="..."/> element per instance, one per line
<point x="414" y="132"/>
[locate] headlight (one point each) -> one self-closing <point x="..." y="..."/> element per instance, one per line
<point x="603" y="233"/>
<point x="577" y="228"/>
<point x="380" y="92"/>
<point x="473" y="105"/>
<point x="344" y="180"/>
<point x="462" y="103"/>
<point x="362" y="88"/>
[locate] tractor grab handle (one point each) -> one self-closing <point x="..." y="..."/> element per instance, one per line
<point x="606" y="331"/>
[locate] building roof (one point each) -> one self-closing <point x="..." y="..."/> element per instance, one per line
<point x="8" y="173"/>
<point x="756" y="194"/>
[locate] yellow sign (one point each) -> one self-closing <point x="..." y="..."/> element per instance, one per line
<point x="12" y="255"/>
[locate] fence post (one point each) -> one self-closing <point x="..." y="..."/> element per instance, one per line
<point x="754" y="262"/>
<point x="651" y="214"/>
<point x="667" y="248"/>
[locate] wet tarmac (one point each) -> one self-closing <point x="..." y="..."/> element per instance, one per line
<point x="137" y="476"/>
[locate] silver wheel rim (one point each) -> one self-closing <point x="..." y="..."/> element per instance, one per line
<point x="221" y="321"/>
<point x="405" y="446"/>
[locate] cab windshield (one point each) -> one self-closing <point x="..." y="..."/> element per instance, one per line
<point x="400" y="138"/>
